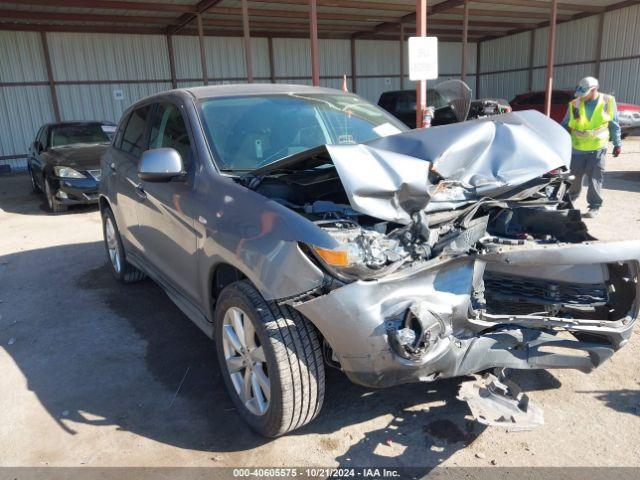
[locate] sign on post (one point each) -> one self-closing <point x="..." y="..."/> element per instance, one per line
<point x="423" y="58"/>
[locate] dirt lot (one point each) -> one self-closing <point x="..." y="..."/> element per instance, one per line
<point x="99" y="374"/>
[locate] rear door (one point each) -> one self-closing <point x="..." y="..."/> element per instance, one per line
<point x="166" y="211"/>
<point x="124" y="163"/>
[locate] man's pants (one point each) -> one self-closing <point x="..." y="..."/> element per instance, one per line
<point x="591" y="165"/>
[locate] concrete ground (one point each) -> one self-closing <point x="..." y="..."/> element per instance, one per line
<point x="99" y="374"/>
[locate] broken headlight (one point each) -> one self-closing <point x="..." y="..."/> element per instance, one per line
<point x="362" y="253"/>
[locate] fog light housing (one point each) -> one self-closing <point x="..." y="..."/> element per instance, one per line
<point x="62" y="195"/>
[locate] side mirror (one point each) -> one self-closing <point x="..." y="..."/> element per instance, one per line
<point x="37" y="146"/>
<point x="160" y="165"/>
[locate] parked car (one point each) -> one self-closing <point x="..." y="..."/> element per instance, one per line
<point x="629" y="114"/>
<point x="536" y="101"/>
<point x="302" y="227"/>
<point x="450" y="101"/>
<point x="629" y="118"/>
<point x="64" y="162"/>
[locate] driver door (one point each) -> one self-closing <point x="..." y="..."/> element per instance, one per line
<point x="166" y="209"/>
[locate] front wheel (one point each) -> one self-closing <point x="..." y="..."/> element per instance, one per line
<point x="271" y="360"/>
<point x="34" y="185"/>
<point x="52" y="202"/>
<point x="120" y="267"/>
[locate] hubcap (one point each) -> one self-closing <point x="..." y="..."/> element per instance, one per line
<point x="246" y="361"/>
<point x="112" y="245"/>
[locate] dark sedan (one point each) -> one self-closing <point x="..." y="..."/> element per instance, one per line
<point x="64" y="162"/>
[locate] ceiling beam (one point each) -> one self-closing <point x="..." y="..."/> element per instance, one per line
<point x="411" y="17"/>
<point x="184" y="20"/>
<point x="474" y="12"/>
<point x="82" y="17"/>
<point x="275" y="25"/>
<point x="456" y="23"/>
<point x="545" y="5"/>
<point x="264" y="12"/>
<point x="107" y="5"/>
<point x="577" y="16"/>
<point x="29" y="27"/>
<point x="190" y="31"/>
<point x="357" y="4"/>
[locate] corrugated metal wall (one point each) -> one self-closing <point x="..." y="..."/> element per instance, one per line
<point x="505" y="61"/>
<point x="99" y="75"/>
<point x="22" y="108"/>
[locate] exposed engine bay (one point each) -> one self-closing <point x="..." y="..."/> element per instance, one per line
<point x="457" y="255"/>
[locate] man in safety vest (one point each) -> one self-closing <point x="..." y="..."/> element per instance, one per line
<point x="592" y="120"/>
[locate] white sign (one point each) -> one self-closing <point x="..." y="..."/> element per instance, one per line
<point x="423" y="58"/>
<point x="118" y="94"/>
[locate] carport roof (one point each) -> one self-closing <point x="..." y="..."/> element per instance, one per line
<point x="379" y="19"/>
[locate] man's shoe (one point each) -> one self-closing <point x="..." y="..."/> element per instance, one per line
<point x="592" y="213"/>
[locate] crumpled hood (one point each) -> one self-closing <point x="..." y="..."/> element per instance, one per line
<point x="388" y="178"/>
<point x="440" y="168"/>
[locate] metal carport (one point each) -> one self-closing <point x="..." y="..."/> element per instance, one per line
<point x="323" y="38"/>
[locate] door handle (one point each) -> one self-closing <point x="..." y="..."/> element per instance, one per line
<point x="140" y="191"/>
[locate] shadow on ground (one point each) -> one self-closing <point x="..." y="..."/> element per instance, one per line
<point x="17" y="197"/>
<point x="625" y="181"/>
<point x="623" y="401"/>
<point x="99" y="353"/>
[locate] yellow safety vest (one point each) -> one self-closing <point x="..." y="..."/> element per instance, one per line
<point x="589" y="134"/>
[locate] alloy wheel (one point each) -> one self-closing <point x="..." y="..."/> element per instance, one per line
<point x="112" y="245"/>
<point x="246" y="361"/>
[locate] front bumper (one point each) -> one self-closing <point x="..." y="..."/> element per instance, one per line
<point x="76" y="191"/>
<point x="359" y="320"/>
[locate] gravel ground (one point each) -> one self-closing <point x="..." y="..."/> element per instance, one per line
<point x="91" y="372"/>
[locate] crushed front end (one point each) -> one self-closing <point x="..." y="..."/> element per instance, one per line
<point x="456" y="251"/>
<point x="526" y="306"/>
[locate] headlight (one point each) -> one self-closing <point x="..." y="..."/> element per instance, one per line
<point x="67" y="172"/>
<point x="361" y="253"/>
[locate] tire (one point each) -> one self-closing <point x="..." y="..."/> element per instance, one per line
<point x="54" y="205"/>
<point x="34" y="186"/>
<point x="293" y="362"/>
<point x="122" y="270"/>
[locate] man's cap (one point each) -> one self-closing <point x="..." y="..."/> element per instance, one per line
<point x="586" y="85"/>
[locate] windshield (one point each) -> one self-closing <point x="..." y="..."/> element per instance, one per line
<point x="248" y="132"/>
<point x="72" y="134"/>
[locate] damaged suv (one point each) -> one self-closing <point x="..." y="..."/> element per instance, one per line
<point x="303" y="227"/>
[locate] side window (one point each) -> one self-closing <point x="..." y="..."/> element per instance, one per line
<point x="45" y="137"/>
<point x="386" y="101"/>
<point x="134" y="135"/>
<point x="168" y="130"/>
<point x="121" y="126"/>
<point x="39" y="135"/>
<point x="560" y="97"/>
<point x="406" y="103"/>
<point x="537" y="99"/>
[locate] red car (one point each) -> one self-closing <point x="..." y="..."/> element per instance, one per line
<point x="629" y="115"/>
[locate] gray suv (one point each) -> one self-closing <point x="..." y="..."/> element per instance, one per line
<point x="303" y="227"/>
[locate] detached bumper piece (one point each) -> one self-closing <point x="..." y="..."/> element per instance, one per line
<point x="498" y="402"/>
